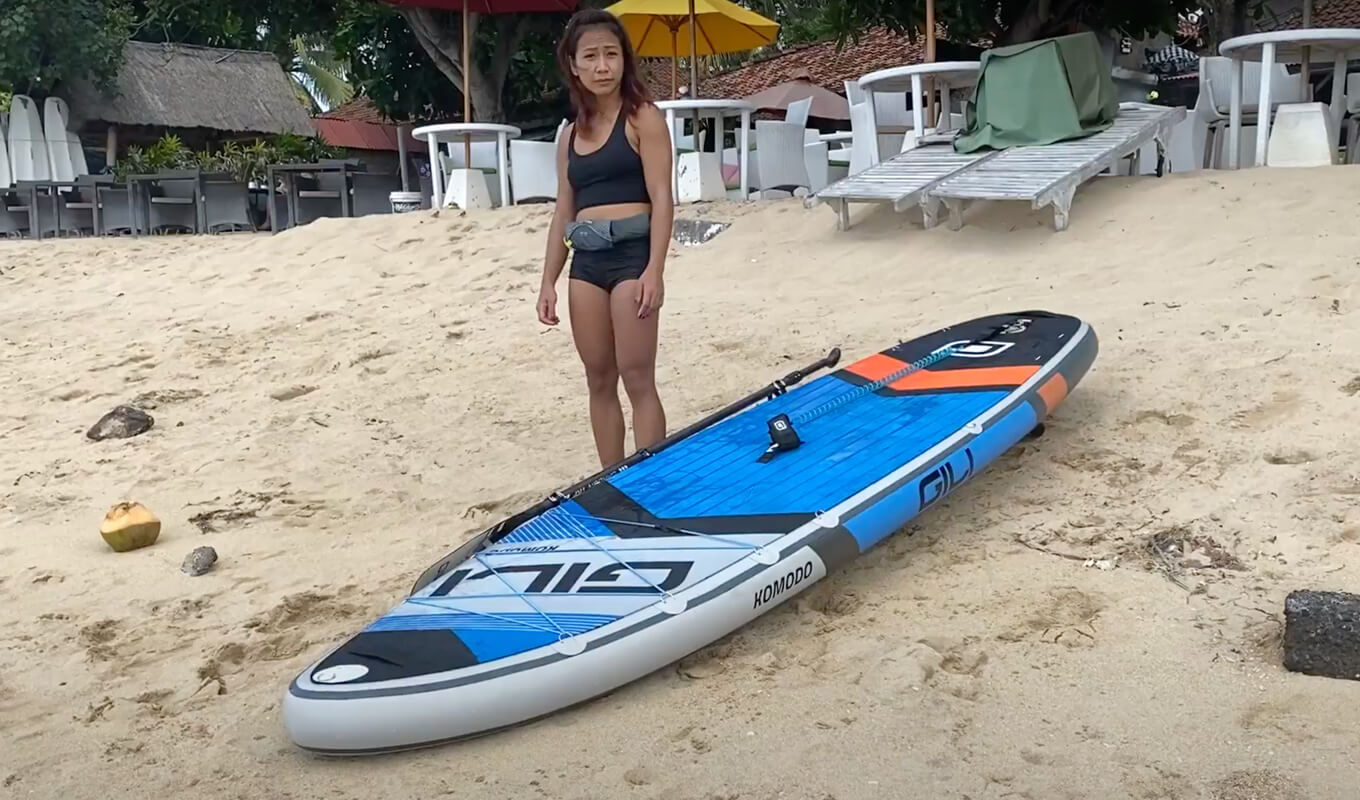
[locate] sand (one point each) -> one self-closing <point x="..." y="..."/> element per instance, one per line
<point x="339" y="405"/>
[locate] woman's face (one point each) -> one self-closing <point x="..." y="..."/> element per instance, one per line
<point x="599" y="61"/>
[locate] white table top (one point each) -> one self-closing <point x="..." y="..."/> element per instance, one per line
<point x="898" y="79"/>
<point x="471" y="131"/>
<point x="1324" y="45"/>
<point x="705" y="103"/>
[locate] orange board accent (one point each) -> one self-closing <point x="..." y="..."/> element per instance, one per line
<point x="880" y="366"/>
<point x="1053" y="392"/>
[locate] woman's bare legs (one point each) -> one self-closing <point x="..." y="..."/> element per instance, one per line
<point x="593" y="332"/>
<point x="635" y="358"/>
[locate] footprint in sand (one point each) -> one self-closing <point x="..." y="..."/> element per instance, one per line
<point x="517" y="500"/>
<point x="278" y="634"/>
<point x="98" y="637"/>
<point x="1289" y="457"/>
<point x="1280" y="405"/>
<point x="1065" y="615"/>
<point x="1173" y="420"/>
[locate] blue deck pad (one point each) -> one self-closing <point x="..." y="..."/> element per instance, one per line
<point x="716" y="472"/>
<point x="565" y="521"/>
<point x="952" y="470"/>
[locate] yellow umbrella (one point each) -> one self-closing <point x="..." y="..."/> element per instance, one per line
<point x="656" y="28"/>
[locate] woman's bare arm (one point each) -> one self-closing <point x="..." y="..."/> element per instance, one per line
<point x="563" y="212"/>
<point x="654" y="145"/>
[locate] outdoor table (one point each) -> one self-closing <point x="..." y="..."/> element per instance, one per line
<point x="449" y="132"/>
<point x="948" y="75"/>
<point x="291" y="171"/>
<point x="715" y="109"/>
<point x="197" y="175"/>
<point x="30" y="189"/>
<point x="1285" y="47"/>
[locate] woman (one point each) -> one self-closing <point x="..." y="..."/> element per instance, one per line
<point x="614" y="213"/>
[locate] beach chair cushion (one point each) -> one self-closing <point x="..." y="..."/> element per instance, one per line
<point x="1039" y="92"/>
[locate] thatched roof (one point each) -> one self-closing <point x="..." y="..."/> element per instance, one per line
<point x="185" y="86"/>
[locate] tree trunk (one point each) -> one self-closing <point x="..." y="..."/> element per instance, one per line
<point x="1040" y="19"/>
<point x="443" y="42"/>
<point x="1227" y="18"/>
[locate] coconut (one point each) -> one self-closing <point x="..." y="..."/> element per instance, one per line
<point x="128" y="526"/>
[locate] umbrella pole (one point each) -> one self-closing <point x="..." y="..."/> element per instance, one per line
<point x="694" y="76"/>
<point x="675" y="63"/>
<point x="930" y="57"/>
<point x="1307" y="68"/>
<point x="467" y="84"/>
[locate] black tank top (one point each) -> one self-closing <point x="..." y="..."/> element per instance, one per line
<point x="611" y="174"/>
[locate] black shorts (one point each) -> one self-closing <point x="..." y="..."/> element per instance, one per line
<point x="625" y="261"/>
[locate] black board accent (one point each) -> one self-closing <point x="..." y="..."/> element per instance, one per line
<point x="605" y="501"/>
<point x="401" y="654"/>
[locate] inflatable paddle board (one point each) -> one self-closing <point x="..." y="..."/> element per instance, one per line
<point x="633" y="568"/>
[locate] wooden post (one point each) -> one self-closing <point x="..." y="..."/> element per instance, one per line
<point x="111" y="146"/>
<point x="401" y="154"/>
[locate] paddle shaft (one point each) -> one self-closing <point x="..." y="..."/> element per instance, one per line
<point x="500" y="529"/>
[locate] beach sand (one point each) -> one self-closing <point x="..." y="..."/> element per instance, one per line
<point x="339" y="405"/>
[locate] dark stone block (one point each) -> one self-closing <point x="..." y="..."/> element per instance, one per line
<point x="1322" y="633"/>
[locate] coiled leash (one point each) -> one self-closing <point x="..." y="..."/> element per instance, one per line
<point x="783" y="433"/>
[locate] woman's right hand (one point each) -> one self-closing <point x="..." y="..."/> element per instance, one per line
<point x="547" y="305"/>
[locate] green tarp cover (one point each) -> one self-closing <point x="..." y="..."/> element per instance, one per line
<point x="1039" y="92"/>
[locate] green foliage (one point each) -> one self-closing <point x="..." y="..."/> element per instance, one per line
<point x="245" y="162"/>
<point x="1003" y="21"/>
<point x="390" y="67"/>
<point x="387" y="64"/>
<point x="319" y="75"/>
<point x="45" y="42"/>
<point x="243" y="24"/>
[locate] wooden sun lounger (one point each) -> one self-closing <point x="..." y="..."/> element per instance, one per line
<point x="1050" y="174"/>
<point x="900" y="180"/>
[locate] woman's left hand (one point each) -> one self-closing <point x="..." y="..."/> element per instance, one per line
<point x="650" y="292"/>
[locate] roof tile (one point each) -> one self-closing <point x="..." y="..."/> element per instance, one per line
<point x="878" y="48"/>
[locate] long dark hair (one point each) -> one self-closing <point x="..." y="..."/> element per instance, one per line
<point x="633" y="90"/>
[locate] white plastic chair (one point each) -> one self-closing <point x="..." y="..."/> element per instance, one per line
<point x="533" y="168"/>
<point x="779" y="161"/>
<point x="797" y="112"/>
<point x="1352" y="110"/>
<point x="1214" y="104"/>
<point x="863" y="141"/>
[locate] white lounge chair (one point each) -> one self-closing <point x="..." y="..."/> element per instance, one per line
<point x="900" y="181"/>
<point x="1050" y="174"/>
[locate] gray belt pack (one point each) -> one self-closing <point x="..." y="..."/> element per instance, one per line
<point x="601" y="234"/>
